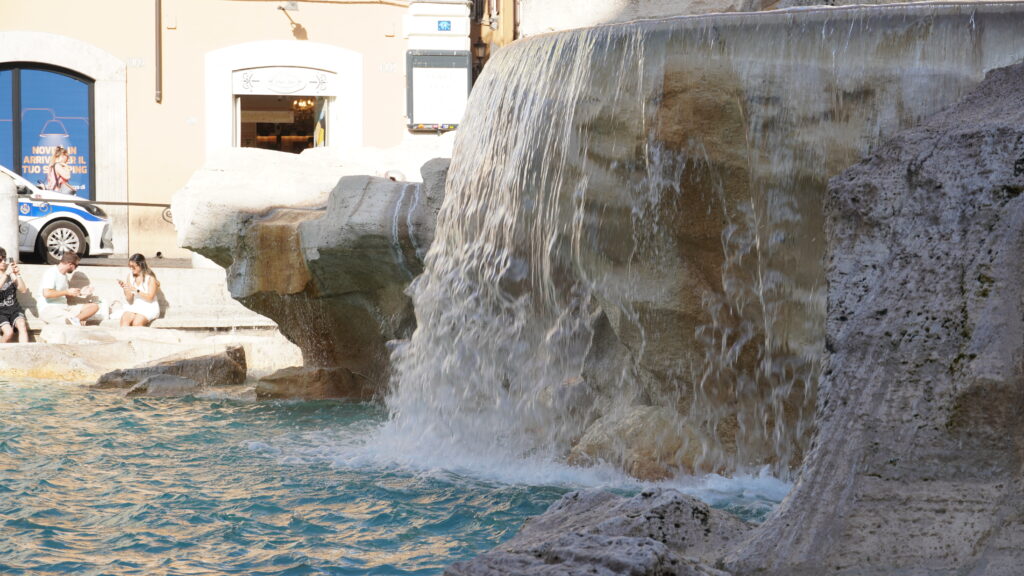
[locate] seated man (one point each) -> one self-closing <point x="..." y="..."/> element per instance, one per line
<point x="55" y="290"/>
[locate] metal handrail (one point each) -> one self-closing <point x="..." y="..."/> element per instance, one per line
<point x="165" y="215"/>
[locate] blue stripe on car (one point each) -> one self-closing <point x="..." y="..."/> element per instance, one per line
<point x="38" y="210"/>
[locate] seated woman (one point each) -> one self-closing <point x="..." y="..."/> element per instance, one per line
<point x="142" y="306"/>
<point x="11" y="315"/>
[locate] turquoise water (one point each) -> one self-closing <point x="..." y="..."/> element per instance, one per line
<point x="94" y="483"/>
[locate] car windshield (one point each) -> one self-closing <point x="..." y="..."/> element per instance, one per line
<point x="23" y="186"/>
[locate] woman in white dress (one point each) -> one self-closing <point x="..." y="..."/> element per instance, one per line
<point x="142" y="306"/>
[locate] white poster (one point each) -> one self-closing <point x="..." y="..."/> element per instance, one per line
<point x="439" y="95"/>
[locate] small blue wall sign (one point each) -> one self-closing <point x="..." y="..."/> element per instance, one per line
<point x="444" y="25"/>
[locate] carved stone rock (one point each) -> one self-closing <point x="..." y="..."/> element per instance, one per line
<point x="332" y="268"/>
<point x="918" y="465"/>
<point x="595" y="532"/>
<point x="164" y="385"/>
<point x="313" y="383"/>
<point x="223" y="365"/>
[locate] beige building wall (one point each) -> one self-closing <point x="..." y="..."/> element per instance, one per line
<point x="165" y="142"/>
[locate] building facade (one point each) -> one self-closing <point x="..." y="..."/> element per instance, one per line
<point x="141" y="92"/>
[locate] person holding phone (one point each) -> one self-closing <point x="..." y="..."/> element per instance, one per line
<point x="55" y="287"/>
<point x="142" y="306"/>
<point x="12" y="317"/>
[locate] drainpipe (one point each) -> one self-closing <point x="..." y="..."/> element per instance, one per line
<point x="158" y="59"/>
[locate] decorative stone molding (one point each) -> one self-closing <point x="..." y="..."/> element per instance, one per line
<point x="345" y="114"/>
<point x="110" y="104"/>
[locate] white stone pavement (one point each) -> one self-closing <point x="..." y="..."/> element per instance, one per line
<point x="198" y="317"/>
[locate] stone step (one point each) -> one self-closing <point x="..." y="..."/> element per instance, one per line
<point x="190" y="298"/>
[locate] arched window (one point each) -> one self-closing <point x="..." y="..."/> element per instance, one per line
<point x="41" y="108"/>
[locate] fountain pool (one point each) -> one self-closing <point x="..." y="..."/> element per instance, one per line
<point x="92" y="482"/>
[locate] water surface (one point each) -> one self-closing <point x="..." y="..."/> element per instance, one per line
<point x="95" y="483"/>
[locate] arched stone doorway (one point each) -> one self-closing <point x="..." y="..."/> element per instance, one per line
<point x="109" y="114"/>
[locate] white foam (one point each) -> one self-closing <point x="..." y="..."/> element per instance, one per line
<point x="367" y="445"/>
<point x="260" y="447"/>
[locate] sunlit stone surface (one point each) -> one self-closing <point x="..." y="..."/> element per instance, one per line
<point x="595" y="532"/>
<point x="331" y="268"/>
<point x="633" y="231"/>
<point x="917" y="465"/>
<point x="222" y="365"/>
<point x="640" y="206"/>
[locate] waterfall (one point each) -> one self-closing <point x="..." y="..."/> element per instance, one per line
<point x="630" y="247"/>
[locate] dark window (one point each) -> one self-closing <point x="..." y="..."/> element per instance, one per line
<point x="6" y="119"/>
<point x="283" y="123"/>
<point x="41" y="109"/>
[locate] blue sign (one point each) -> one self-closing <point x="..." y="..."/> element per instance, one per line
<point x="444" y="25"/>
<point x="54" y="139"/>
<point x="55" y="131"/>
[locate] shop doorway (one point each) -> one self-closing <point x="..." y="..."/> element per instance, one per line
<point x="283" y="123"/>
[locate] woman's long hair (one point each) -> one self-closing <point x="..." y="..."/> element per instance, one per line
<point x="144" y="270"/>
<point x="57" y="152"/>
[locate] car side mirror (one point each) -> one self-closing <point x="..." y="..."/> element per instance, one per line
<point x="24" y="190"/>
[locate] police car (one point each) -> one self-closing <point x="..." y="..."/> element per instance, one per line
<point x="52" y="223"/>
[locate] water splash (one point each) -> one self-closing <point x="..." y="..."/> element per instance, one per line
<point x="633" y="221"/>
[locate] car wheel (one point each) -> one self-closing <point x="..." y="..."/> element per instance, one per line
<point x="58" y="238"/>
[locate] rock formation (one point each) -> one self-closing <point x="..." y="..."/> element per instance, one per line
<point x="594" y="532"/>
<point x="85" y="353"/>
<point x="220" y="366"/>
<point x="639" y="207"/>
<point x="652" y="251"/>
<point x="540" y="16"/>
<point x="311" y="383"/>
<point x="326" y="256"/>
<point x="163" y="386"/>
<point x="917" y="465"/>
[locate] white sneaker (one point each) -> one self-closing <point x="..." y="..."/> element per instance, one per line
<point x="74" y="321"/>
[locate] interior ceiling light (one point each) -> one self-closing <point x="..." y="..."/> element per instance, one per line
<point x="53" y="127"/>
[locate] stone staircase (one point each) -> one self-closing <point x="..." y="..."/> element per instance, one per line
<point x="194" y="299"/>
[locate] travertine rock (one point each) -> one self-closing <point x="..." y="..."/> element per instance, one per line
<point x="332" y="273"/>
<point x="164" y="385"/>
<point x="918" y="467"/>
<point x="83" y="354"/>
<point x="596" y="532"/>
<point x="648" y="442"/>
<point x="313" y="383"/>
<point x="63" y="362"/>
<point x="540" y="16"/>
<point x="220" y="365"/>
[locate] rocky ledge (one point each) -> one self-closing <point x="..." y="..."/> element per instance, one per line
<point x="325" y="254"/>
<point x="121" y="358"/>
<point x="917" y="466"/>
<point x="594" y="532"/>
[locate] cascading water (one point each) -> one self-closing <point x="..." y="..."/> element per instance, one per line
<point x="627" y="266"/>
